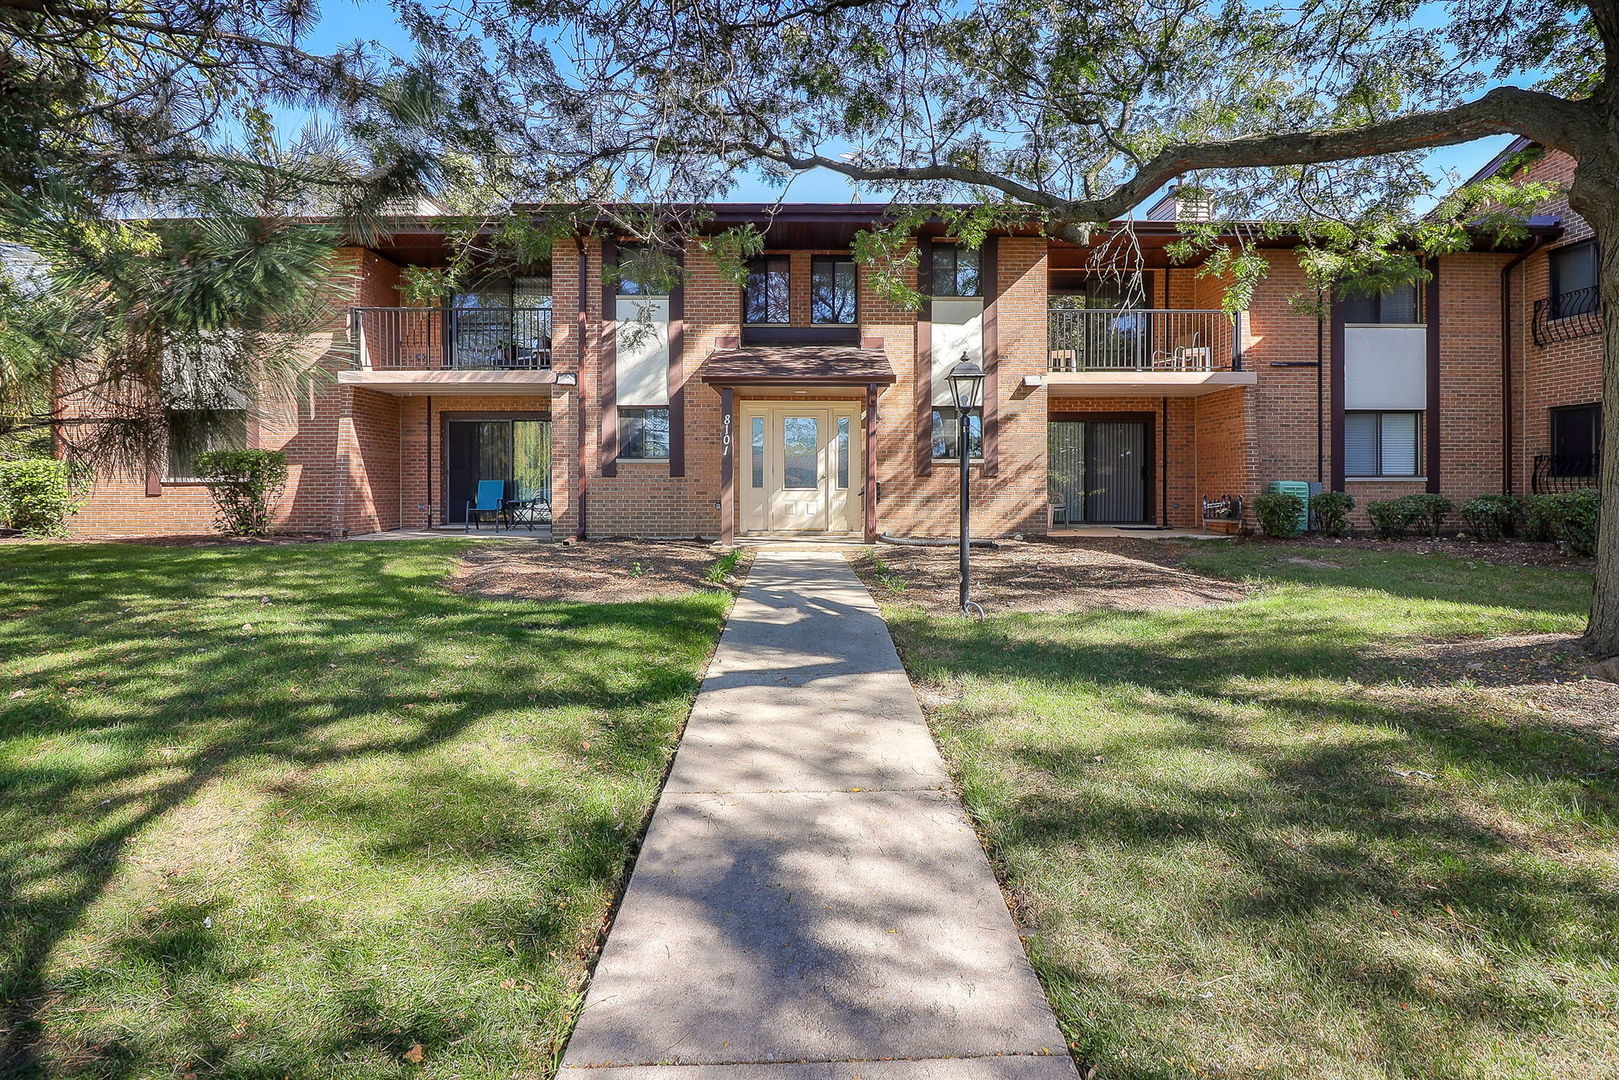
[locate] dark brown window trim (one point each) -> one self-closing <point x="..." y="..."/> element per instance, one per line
<point x="990" y="286"/>
<point x="922" y="372"/>
<point x="1431" y="419"/>
<point x="607" y="356"/>
<point x="677" y="378"/>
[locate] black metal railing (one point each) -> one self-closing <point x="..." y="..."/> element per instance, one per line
<point x="1567" y="316"/>
<point x="464" y="338"/>
<point x="1143" y="339"/>
<point x="1556" y="473"/>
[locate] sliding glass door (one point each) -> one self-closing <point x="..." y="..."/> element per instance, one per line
<point x="514" y="451"/>
<point x="1099" y="471"/>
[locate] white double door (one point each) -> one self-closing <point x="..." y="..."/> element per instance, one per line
<point x="799" y="467"/>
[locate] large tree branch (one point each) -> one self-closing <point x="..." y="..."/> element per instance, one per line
<point x="1550" y="120"/>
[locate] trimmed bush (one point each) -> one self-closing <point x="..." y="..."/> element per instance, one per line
<point x="1431" y="511"/>
<point x="1394" y="518"/>
<point x="38" y="495"/>
<point x="1278" y="513"/>
<point x="1573" y="517"/>
<point x="1537" y="517"/>
<point x="1491" y="517"/>
<point x="245" y="485"/>
<point x="1331" y="509"/>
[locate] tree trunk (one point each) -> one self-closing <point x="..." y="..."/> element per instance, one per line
<point x="1598" y="203"/>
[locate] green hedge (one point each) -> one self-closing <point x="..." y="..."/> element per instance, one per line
<point x="1571" y="517"/>
<point x="1492" y="516"/>
<point x="38" y="495"/>
<point x="1278" y="513"/>
<point x="245" y="485"/>
<point x="1425" y="513"/>
<point x="1331" y="509"/>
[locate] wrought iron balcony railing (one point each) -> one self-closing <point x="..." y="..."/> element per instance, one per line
<point x="1567" y="316"/>
<point x="451" y="338"/>
<point x="1143" y="339"/>
<point x="1556" y="473"/>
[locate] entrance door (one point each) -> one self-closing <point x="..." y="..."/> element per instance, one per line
<point x="1098" y="471"/>
<point x="517" y="452"/>
<point x="801" y="471"/>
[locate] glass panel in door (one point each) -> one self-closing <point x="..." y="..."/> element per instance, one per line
<point x="1066" y="471"/>
<point x="801" y="452"/>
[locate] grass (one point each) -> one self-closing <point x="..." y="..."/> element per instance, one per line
<point x="1248" y="849"/>
<point x="299" y="811"/>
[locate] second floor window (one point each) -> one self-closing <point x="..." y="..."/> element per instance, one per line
<point x="832" y="289"/>
<point x="1401" y="304"/>
<point x="956" y="271"/>
<point x="766" y="298"/>
<point x="1574" y="280"/>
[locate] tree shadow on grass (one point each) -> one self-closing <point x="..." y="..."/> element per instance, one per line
<point x="1311" y="865"/>
<point x="293" y="680"/>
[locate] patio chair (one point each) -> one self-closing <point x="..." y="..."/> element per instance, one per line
<point x="1188" y="354"/>
<point x="491" y="500"/>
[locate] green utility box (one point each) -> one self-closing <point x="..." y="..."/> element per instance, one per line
<point x="1302" y="490"/>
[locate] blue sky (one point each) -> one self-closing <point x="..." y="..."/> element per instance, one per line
<point x="343" y="21"/>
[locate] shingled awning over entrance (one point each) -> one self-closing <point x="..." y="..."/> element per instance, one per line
<point x="800" y="365"/>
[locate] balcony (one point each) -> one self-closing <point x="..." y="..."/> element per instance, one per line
<point x="452" y="339"/>
<point x="444" y="350"/>
<point x="1159" y="351"/>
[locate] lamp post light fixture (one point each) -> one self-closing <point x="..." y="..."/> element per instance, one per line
<point x="967" y="388"/>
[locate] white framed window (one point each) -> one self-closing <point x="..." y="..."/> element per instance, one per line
<point x="1382" y="444"/>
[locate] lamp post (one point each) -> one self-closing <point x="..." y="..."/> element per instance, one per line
<point x="966" y="387"/>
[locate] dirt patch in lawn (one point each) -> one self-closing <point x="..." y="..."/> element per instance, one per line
<point x="1549" y="675"/>
<point x="1046" y="575"/>
<point x="595" y="572"/>
<point x="1495" y="552"/>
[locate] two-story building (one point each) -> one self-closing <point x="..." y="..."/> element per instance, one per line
<point x="1117" y="391"/>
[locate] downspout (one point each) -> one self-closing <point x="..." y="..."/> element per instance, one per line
<point x="1535" y="244"/>
<point x="427" y="480"/>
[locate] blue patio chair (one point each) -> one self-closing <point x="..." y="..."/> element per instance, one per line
<point x="491" y="500"/>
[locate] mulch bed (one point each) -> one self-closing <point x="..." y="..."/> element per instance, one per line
<point x="191" y="541"/>
<point x="1046" y="575"/>
<point x="1495" y="552"/>
<point x="594" y="572"/>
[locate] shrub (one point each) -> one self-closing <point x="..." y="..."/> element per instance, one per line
<point x="1394" y="517"/>
<point x="245" y="485"/>
<point x="1537" y="517"/>
<point x="1278" y="513"/>
<point x="1430" y="511"/>
<point x="1573" y="517"/>
<point x="1331" y="510"/>
<point x="38" y="495"/>
<point x="1492" y="516"/>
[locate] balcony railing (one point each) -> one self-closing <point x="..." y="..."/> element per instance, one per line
<point x="1567" y="316"/>
<point x="1144" y="339"/>
<point x="449" y="338"/>
<point x="1555" y="473"/>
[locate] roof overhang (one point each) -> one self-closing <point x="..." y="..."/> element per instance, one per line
<point x="797" y="366"/>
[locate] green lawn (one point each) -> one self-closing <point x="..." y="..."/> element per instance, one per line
<point x="297" y="811"/>
<point x="1248" y="848"/>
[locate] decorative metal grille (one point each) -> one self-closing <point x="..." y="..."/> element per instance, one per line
<point x="1568" y="316"/>
<point x="1141" y="339"/>
<point x="1556" y="473"/>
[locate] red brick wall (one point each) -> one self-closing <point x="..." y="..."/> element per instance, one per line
<point x="1559" y="373"/>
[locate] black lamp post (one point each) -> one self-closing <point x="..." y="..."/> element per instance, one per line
<point x="967" y="387"/>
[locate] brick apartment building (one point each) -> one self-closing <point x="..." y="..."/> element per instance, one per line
<point x="807" y="403"/>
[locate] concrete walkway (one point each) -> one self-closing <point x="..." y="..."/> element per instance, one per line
<point x="811" y="902"/>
